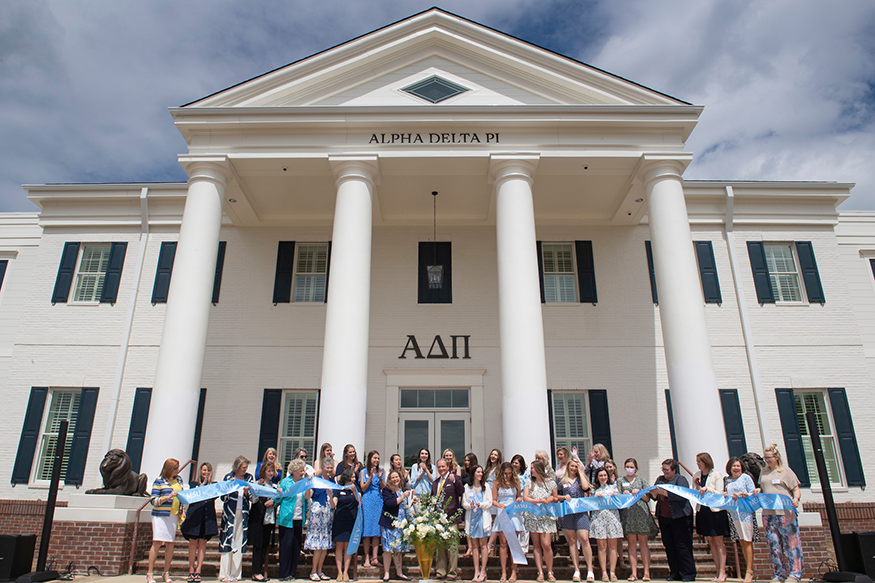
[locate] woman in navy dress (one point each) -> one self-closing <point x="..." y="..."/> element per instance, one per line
<point x="199" y="525"/>
<point x="576" y="526"/>
<point x="370" y="482"/>
<point x="395" y="504"/>
<point x="345" y="511"/>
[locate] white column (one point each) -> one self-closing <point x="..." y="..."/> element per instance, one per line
<point x="347" y="317"/>
<point x="525" y="419"/>
<point x="698" y="418"/>
<point x="173" y="408"/>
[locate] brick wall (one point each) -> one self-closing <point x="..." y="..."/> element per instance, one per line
<point x="24" y="517"/>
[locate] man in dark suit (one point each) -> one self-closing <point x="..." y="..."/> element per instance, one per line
<point x="448" y="489"/>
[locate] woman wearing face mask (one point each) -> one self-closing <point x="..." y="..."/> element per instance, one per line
<point x="638" y="522"/>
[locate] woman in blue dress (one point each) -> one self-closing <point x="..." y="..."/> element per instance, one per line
<point x="576" y="526"/>
<point x="318" y="539"/>
<point x="396" y="503"/>
<point x="476" y="501"/>
<point x="370" y="483"/>
<point x="422" y="474"/>
<point x="345" y="512"/>
<point x="506" y="490"/>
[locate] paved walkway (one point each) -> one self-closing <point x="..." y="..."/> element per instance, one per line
<point x="142" y="579"/>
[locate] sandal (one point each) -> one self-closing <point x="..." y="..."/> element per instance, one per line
<point x="632" y="578"/>
<point x="540" y="578"/>
<point x="166" y="577"/>
<point x="551" y="577"/>
<point x="197" y="578"/>
<point x="613" y="576"/>
<point x="386" y="577"/>
<point x="150" y="578"/>
<point x="645" y="578"/>
<point x="512" y="578"/>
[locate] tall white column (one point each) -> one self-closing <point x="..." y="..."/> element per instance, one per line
<point x="525" y="417"/>
<point x="347" y="316"/>
<point x="173" y="408"/>
<point x="698" y="418"/>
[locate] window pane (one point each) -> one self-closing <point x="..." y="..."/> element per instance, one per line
<point x="92" y="269"/>
<point x="415" y="438"/>
<point x="815" y="402"/>
<point x="408" y="398"/>
<point x="311" y="269"/>
<point x="570" y="421"/>
<point x="559" y="288"/>
<point x="65" y="406"/>
<point x="298" y="428"/>
<point x="443" y="399"/>
<point x="453" y="436"/>
<point x="460" y="398"/>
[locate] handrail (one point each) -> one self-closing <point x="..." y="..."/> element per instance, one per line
<point x="134" y="538"/>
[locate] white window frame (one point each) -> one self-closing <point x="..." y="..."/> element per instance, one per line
<point x="569" y="441"/>
<point x="308" y="293"/>
<point x="81" y="276"/>
<point x="774" y="273"/>
<point x="556" y="275"/>
<point x="828" y="442"/>
<point x="287" y="444"/>
<point x="43" y="461"/>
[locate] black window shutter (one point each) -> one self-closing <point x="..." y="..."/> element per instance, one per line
<point x="757" y="253"/>
<point x="795" y="457"/>
<point x="198" y="427"/>
<point x="733" y="422"/>
<point x="674" y="441"/>
<point x="113" y="276"/>
<point x="649" y="249"/>
<point x="586" y="272"/>
<point x="270" y="420"/>
<point x="847" y="438"/>
<point x="3" y="265"/>
<point x="65" y="273"/>
<point x="327" y="270"/>
<point x="442" y="251"/>
<point x="81" y="437"/>
<point x="164" y="272"/>
<point x="872" y="265"/>
<point x="137" y="429"/>
<point x="810" y="275"/>
<point x="282" y="283"/>
<point x="541" y="270"/>
<point x="30" y="432"/>
<point x="708" y="273"/>
<point x="599" y="418"/>
<point x="220" y="265"/>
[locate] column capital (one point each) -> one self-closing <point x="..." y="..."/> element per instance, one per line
<point x="504" y="166"/>
<point x="207" y="168"/>
<point x="365" y="168"/>
<point x="653" y="166"/>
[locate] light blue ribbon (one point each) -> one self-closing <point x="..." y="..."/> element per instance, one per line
<point x="505" y="525"/>
<point x="211" y="491"/>
<point x="749" y="504"/>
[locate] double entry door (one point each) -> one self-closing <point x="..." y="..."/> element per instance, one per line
<point x="436" y="431"/>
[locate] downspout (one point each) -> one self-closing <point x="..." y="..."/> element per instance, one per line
<point x="749" y="347"/>
<point x="129" y="321"/>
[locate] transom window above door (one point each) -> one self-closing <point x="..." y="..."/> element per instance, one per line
<point x="434" y="399"/>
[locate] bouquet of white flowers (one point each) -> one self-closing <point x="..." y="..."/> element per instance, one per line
<point x="429" y="523"/>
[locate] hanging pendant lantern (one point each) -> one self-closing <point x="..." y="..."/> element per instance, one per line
<point x="435" y="272"/>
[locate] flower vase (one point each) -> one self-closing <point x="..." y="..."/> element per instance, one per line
<point x="425" y="554"/>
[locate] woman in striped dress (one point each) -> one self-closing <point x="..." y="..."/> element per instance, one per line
<point x="235" y="524"/>
<point x="165" y="516"/>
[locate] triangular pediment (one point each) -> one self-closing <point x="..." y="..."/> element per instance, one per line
<point x="493" y="69"/>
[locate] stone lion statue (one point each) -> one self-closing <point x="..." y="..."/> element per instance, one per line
<point x="118" y="478"/>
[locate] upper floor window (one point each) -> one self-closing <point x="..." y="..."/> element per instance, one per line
<point x="783" y="274"/>
<point x="559" y="277"/>
<point x="311" y="273"/>
<point x="91" y="272"/>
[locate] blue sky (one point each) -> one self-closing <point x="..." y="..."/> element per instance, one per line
<point x="788" y="86"/>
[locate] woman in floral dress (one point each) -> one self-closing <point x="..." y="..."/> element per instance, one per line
<point x="396" y="502"/>
<point x="638" y="522"/>
<point x="322" y="502"/>
<point x="541" y="490"/>
<point x="605" y="526"/>
<point x="742" y="526"/>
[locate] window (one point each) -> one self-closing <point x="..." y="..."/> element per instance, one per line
<point x="815" y="402"/>
<point x="64" y="406"/>
<point x="96" y="271"/>
<point x="570" y="426"/>
<point x="91" y="272"/>
<point x="298" y="424"/>
<point x="3" y="264"/>
<point x="434" y="399"/>
<point x="434" y="89"/>
<point x="311" y="273"/>
<point x="777" y="275"/>
<point x="558" y="261"/>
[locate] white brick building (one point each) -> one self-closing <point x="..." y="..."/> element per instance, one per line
<point x="553" y="179"/>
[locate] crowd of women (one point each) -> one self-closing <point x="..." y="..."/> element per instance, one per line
<point x="385" y="494"/>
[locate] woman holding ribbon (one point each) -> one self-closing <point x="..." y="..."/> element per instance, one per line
<point x="370" y="484"/>
<point x="605" y="526"/>
<point x="262" y="522"/>
<point x="422" y="473"/>
<point x="576" y="526"/>
<point x="165" y="515"/>
<point x="743" y="525"/>
<point x="395" y="507"/>
<point x="638" y="522"/>
<point x="290" y="518"/>
<point x="506" y="490"/>
<point x="233" y="535"/>
<point x="782" y="528"/>
<point x="711" y="524"/>
<point x="199" y="525"/>
<point x="523" y="475"/>
<point x="477" y="500"/>
<point x="541" y="490"/>
<point x="675" y="516"/>
<point x="345" y="511"/>
<point x="322" y="504"/>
